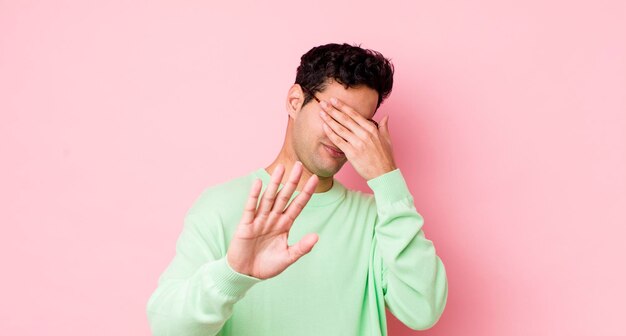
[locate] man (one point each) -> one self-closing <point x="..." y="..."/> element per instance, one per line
<point x="298" y="253"/>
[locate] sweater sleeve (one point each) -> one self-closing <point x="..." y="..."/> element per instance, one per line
<point x="414" y="279"/>
<point x="196" y="293"/>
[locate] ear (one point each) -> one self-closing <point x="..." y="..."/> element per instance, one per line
<point x="295" y="98"/>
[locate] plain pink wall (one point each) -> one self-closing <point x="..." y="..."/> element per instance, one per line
<point x="508" y="121"/>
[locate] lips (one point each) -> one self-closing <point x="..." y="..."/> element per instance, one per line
<point x="336" y="150"/>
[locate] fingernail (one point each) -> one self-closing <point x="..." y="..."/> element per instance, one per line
<point x="333" y="100"/>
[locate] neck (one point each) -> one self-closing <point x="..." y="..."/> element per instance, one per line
<point x="324" y="184"/>
<point x="287" y="157"/>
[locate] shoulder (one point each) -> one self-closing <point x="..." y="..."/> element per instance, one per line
<point x="359" y="199"/>
<point x="223" y="196"/>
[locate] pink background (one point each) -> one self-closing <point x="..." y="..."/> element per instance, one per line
<point x="508" y="121"/>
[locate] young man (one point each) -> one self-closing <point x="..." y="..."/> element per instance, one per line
<point x="298" y="253"/>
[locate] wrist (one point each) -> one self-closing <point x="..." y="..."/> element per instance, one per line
<point x="382" y="172"/>
<point x="227" y="281"/>
<point x="236" y="266"/>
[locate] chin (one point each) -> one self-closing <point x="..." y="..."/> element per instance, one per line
<point x="323" y="165"/>
<point x="330" y="172"/>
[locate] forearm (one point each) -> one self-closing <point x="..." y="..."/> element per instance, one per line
<point x="196" y="293"/>
<point x="414" y="277"/>
<point x="199" y="305"/>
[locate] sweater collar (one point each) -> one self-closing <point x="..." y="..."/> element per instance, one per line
<point x="332" y="195"/>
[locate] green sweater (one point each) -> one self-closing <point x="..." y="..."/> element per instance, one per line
<point x="371" y="253"/>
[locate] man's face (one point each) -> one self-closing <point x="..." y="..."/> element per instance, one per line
<point x="309" y="138"/>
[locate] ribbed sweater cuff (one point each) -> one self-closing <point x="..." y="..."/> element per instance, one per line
<point x="389" y="187"/>
<point x="229" y="282"/>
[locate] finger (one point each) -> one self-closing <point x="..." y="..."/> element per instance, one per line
<point x="336" y="139"/>
<point x="304" y="246"/>
<point x="384" y="129"/>
<point x="340" y="129"/>
<point x="270" y="192"/>
<point x="357" y="117"/>
<point x="345" y="119"/>
<point x="384" y="124"/>
<point x="298" y="203"/>
<point x="285" y="193"/>
<point x="253" y="197"/>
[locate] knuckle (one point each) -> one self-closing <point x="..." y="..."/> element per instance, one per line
<point x="283" y="198"/>
<point x="290" y="218"/>
<point x="359" y="145"/>
<point x="298" y="205"/>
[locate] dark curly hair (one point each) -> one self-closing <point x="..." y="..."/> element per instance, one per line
<point x="348" y="65"/>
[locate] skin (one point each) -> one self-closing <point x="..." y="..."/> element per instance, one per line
<point x="259" y="246"/>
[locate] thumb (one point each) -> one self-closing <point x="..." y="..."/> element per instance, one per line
<point x="304" y="246"/>
<point x="384" y="125"/>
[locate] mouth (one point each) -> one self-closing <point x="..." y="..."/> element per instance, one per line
<point x="334" y="151"/>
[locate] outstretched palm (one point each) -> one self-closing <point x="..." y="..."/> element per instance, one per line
<point x="259" y="247"/>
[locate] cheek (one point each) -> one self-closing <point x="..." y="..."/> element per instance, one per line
<point x="319" y="125"/>
<point x="313" y="125"/>
<point x="321" y="134"/>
